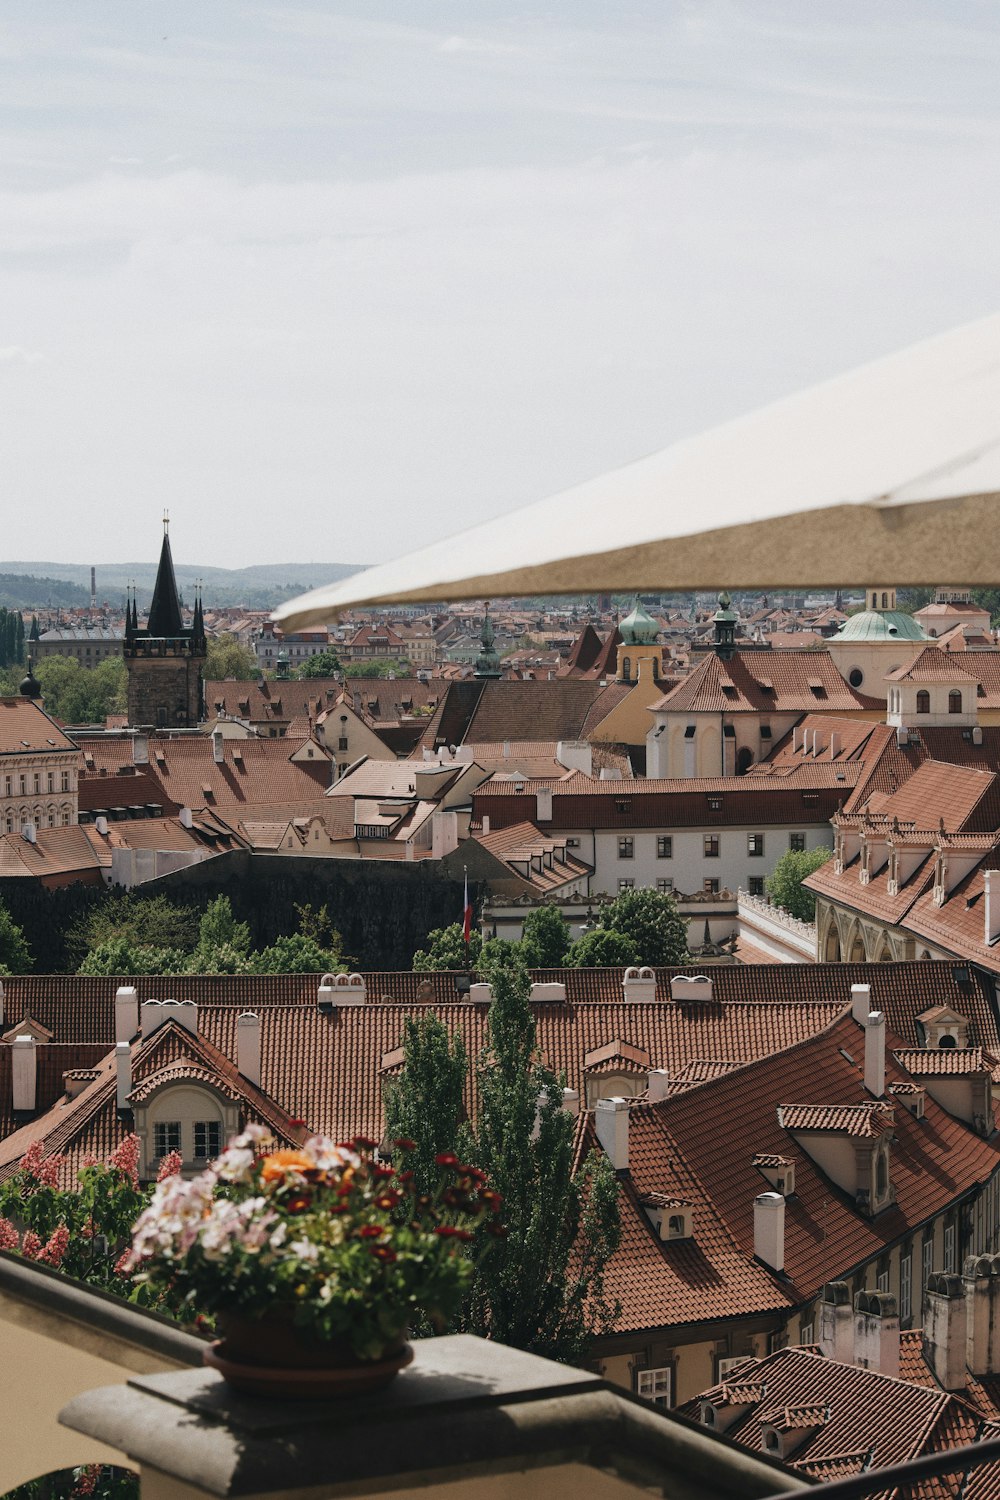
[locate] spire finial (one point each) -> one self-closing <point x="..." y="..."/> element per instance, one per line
<point x="166" y="522"/>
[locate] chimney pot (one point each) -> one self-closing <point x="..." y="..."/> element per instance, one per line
<point x="836" y="1323"/>
<point x="876" y="1333"/>
<point x="946" y="1315"/>
<point x="769" y="1230"/>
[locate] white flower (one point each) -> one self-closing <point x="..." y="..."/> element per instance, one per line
<point x="327" y="1155"/>
<point x="234" y="1164"/>
<point x="303" y="1250"/>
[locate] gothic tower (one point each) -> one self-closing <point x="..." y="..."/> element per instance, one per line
<point x="164" y="659"/>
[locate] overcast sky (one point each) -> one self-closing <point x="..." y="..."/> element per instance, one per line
<point x="331" y="282"/>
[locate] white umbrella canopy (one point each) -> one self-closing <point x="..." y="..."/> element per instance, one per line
<point x="888" y="473"/>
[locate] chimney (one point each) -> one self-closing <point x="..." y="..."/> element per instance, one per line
<point x="611" y="1124"/>
<point x="657" y="1087"/>
<point x="991" y="905"/>
<point x="153" y="1013"/>
<point x="861" y="1002"/>
<point x="140" y="750"/>
<point x="769" y="1230"/>
<point x="639" y="984"/>
<point x="691" y="987"/>
<point x="444" y="833"/>
<point x="982" y="1303"/>
<point x="486" y="822"/>
<point x="543" y="804"/>
<point x="836" y="1323"/>
<point x="875" y="1053"/>
<point x="123" y="1066"/>
<point x="876" y="1333"/>
<point x="834" y="745"/>
<point x="101" y="824"/>
<point x="24" y="1072"/>
<point x="977" y="735"/>
<point x="186" y="817"/>
<point x="126" y="1012"/>
<point x="248" y="1046"/>
<point x="29" y="833"/>
<point x="795" y="738"/>
<point x="946" y="1330"/>
<point x="326" y="1000"/>
<point x="218" y="747"/>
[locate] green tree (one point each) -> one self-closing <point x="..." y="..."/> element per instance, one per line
<point x="652" y="921"/>
<point x="323" y="664"/>
<point x="379" y="667"/>
<point x="223" y="943"/>
<point x="120" y="956"/>
<point x="446" y="950"/>
<point x="294" y="953"/>
<point x="785" y="886"/>
<point x="542" y="1287"/>
<point x="227" y="658"/>
<point x="426" y="1105"/>
<point x="602" y="949"/>
<point x="139" y="921"/>
<point x="83" y="695"/>
<point x="544" y="938"/>
<point x="15" y="955"/>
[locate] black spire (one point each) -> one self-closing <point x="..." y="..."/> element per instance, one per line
<point x="198" y="622"/>
<point x="165" y="610"/>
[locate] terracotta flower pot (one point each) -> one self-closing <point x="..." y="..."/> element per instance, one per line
<point x="270" y="1356"/>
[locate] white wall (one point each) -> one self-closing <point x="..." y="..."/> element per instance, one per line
<point x="689" y="867"/>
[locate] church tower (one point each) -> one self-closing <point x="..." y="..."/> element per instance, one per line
<point x="164" y="659"/>
<point x="488" y="660"/>
<point x="639" y="653"/>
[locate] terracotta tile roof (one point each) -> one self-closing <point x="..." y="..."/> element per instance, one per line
<point x="929" y="665"/>
<point x="270" y="701"/>
<point x="859" y="1418"/>
<point x="945" y="1062"/>
<point x="53" y="1060"/>
<point x="938" y="793"/>
<point x="762" y="681"/>
<point x="958" y="925"/>
<point x="809" y="797"/>
<point x="933" y="1160"/>
<point x="563" y="709"/>
<point x="130" y="787"/>
<point x="187" y="775"/>
<point x="26" y="728"/>
<point x="56" y="853"/>
<point x="528" y="853"/>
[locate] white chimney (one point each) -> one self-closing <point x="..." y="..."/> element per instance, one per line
<point x="876" y="1333"/>
<point x="123" y="1066"/>
<point x="836" y="1323"/>
<point x="218" y="747"/>
<point x="795" y="738"/>
<point x="982" y="1302"/>
<point x="543" y="804"/>
<point x="691" y="987"/>
<point x="657" y="1087"/>
<point x="977" y="735"/>
<point x="30" y="834"/>
<point x="769" y="1230"/>
<point x="861" y="1002"/>
<point x="834" y="745"/>
<point x="486" y="822"/>
<point x="875" y="1054"/>
<point x="571" y="1101"/>
<point x="153" y="1013"/>
<point x="991" y="905"/>
<point x="481" y="994"/>
<point x="946" y="1330"/>
<point x="140" y="750"/>
<point x="248" y="1046"/>
<point x="101" y="824"/>
<point x="24" y="1073"/>
<point x="325" y="997"/>
<point x="444" y="833"/>
<point x="611" y="1124"/>
<point x="639" y="984"/>
<point x="126" y="1012"/>
<point x="186" y="817"/>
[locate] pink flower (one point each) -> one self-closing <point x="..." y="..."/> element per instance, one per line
<point x="55" y="1247"/>
<point x="90" y="1160"/>
<point x="170" y="1165"/>
<point x="9" y="1237"/>
<point x="86" y="1479"/>
<point x="32" y="1158"/>
<point x="30" y="1244"/>
<point x="45" y="1170"/>
<point x="125" y="1158"/>
<point x="123" y="1265"/>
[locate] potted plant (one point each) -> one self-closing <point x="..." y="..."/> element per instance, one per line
<point x="312" y="1261"/>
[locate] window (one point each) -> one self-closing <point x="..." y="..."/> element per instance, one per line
<point x="626" y="848"/>
<point x="756" y="885"/>
<point x="955" y="701"/>
<point x="715" y="804"/>
<point x="665" y="884"/>
<point x="342" y="742"/>
<point x="50" y="781"/>
<point x="626" y="669"/>
<point x="24" y="784"/>
<point x="64" y="781"/>
<point x="710" y="886"/>
<point x="38" y="782"/>
<point x="906" y="1285"/>
<point x="166" y="1137"/>
<point x="664" y="847"/>
<point x="711" y="846"/>
<point x="623" y="804"/>
<point x="654" y="1385"/>
<point x="797" y="842"/>
<point x="923" y="701"/>
<point x="881" y="1181"/>
<point x="855" y="677"/>
<point x="207" y="1138"/>
<point x="755" y="845"/>
<point x="882" y="1281"/>
<point x="949" y="1248"/>
<point x="626" y="885"/>
<point x="806" y="1333"/>
<point x="927" y="1260"/>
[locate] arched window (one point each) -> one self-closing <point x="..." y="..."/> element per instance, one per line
<point x="656" y="670"/>
<point x="626" y="669"/>
<point x="885" y="601"/>
<point x="947" y="1041"/>
<point x="955" y="701"/>
<point x="881" y="1175"/>
<point x="923" y="701"/>
<point x="874" y="601"/>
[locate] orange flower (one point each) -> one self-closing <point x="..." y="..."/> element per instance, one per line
<point x="280" y="1163"/>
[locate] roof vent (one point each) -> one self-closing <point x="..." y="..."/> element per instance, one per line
<point x="696" y="987"/>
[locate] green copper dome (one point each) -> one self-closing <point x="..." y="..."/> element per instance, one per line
<point x="881" y="625"/>
<point x="639" y="628"/>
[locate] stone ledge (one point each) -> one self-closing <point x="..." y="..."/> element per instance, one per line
<point x="464" y="1408"/>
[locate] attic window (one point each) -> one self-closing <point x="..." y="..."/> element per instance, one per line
<point x="689" y="732"/>
<point x="766" y="684"/>
<point x="715" y="804"/>
<point x="811" y="799"/>
<point x="730" y="691"/>
<point x="816" y="688"/>
<point x="623" y="804"/>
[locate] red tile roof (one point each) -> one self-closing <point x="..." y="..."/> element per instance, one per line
<point x="25" y="728"/>
<point x="765" y="681"/>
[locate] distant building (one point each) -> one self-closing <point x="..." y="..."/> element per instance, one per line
<point x="296" y="648"/>
<point x="38" y="769"/>
<point x="164" y="659"/>
<point x="89" y="644"/>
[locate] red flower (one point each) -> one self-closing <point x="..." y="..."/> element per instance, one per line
<point x="382" y="1252"/>
<point x="499" y="1230"/>
<point x="446" y="1159"/>
<point x="297" y="1121"/>
<point x="491" y="1199"/>
<point x="451" y="1232"/>
<point x="405" y="1144"/>
<point x="383" y="1172"/>
<point x="387" y="1200"/>
<point x="370" y="1231"/>
<point x="363" y="1143"/>
<point x="406" y="1176"/>
<point x="298" y="1204"/>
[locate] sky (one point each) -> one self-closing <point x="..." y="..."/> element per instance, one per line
<point x="330" y="282"/>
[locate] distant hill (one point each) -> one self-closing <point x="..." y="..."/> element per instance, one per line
<point x="261" y="586"/>
<point x="24" y="590"/>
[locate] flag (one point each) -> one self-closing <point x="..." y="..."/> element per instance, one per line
<point x="467" y="913"/>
